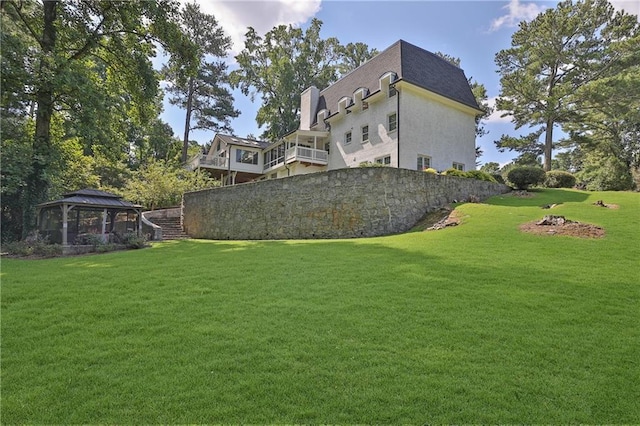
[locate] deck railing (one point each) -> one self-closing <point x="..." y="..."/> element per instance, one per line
<point x="302" y="153"/>
<point x="210" y="162"/>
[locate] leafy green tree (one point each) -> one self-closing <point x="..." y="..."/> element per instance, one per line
<point x="353" y="55"/>
<point x="491" y="168"/>
<point x="604" y="173"/>
<point x="159" y="184"/>
<point x="551" y="58"/>
<point x="67" y="38"/>
<point x="279" y="67"/>
<point x="200" y="88"/>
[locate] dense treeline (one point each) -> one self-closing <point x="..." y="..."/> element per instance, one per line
<point x="577" y="67"/>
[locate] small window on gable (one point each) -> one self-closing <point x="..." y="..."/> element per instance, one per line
<point x="392" y="121"/>
<point x="458" y="166"/>
<point x="365" y="133"/>
<point x="347" y="138"/>
<point x="424" y="162"/>
<point x="392" y="90"/>
<point x="386" y="160"/>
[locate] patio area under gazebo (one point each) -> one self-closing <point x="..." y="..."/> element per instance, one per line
<point x="83" y="216"/>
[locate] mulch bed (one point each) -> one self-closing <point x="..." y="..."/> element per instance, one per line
<point x="558" y="225"/>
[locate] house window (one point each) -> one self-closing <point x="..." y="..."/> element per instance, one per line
<point x="246" y="157"/>
<point x="327" y="147"/>
<point x="347" y="138"/>
<point x="365" y="105"/>
<point x="365" y="133"/>
<point x="458" y="166"/>
<point x="384" y="160"/>
<point x="424" y="162"/>
<point x="392" y="120"/>
<point x="392" y="90"/>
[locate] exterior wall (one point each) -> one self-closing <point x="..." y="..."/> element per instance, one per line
<point x="243" y="167"/>
<point x="381" y="142"/>
<point x="346" y="203"/>
<point x="432" y="128"/>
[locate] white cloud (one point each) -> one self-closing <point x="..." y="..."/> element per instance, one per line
<point x="236" y="16"/>
<point x="517" y="12"/>
<point x="495" y="117"/>
<point x="632" y="7"/>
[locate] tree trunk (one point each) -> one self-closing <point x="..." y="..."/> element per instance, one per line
<point x="187" y="121"/>
<point x="37" y="180"/>
<point x="548" y="145"/>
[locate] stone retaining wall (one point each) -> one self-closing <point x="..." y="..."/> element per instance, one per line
<point x="345" y="203"/>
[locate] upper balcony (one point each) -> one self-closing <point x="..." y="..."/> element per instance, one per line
<point x="208" y="162"/>
<point x="307" y="155"/>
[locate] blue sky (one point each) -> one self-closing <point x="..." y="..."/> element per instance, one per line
<point x="473" y="31"/>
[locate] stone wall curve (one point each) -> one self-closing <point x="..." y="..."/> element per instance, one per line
<point x="344" y="203"/>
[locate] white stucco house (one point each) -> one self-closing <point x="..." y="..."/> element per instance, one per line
<point x="405" y="108"/>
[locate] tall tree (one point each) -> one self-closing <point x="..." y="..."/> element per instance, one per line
<point x="353" y="55"/>
<point x="66" y="34"/>
<point x="201" y="88"/>
<point x="551" y="57"/>
<point x="279" y="67"/>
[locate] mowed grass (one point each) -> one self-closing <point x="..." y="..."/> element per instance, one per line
<point x="478" y="323"/>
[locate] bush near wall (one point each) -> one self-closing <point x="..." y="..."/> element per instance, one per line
<point x="480" y="175"/>
<point x="559" y="179"/>
<point x="525" y="176"/>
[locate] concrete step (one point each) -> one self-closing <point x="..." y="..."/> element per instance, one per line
<point x="171" y="228"/>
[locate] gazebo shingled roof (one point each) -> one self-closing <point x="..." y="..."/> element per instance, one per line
<point x="92" y="198"/>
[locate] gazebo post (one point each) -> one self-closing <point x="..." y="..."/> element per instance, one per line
<point x="139" y="211"/>
<point x="65" y="226"/>
<point x="104" y="225"/>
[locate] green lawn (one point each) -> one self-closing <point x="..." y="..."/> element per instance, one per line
<point x="478" y="323"/>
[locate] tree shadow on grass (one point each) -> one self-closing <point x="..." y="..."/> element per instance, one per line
<point x="330" y="325"/>
<point x="538" y="197"/>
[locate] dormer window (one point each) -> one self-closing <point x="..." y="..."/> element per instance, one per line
<point x="392" y="90"/>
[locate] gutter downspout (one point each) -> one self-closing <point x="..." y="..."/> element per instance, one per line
<point x="229" y="165"/>
<point x="398" y="121"/>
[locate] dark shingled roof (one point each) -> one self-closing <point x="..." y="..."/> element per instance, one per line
<point x="234" y="140"/>
<point x="92" y="198"/>
<point x="411" y="64"/>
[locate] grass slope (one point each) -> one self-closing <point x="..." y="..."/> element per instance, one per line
<point x="474" y="324"/>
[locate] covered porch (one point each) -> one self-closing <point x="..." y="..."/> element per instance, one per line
<point x="304" y="146"/>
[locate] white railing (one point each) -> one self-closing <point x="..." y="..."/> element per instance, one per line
<point x="274" y="162"/>
<point x="211" y="162"/>
<point x="302" y="153"/>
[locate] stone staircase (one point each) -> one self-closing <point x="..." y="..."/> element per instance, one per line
<point x="171" y="228"/>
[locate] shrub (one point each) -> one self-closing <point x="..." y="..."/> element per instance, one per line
<point x="524" y="176"/>
<point x="559" y="179"/>
<point x="455" y="172"/>
<point x="133" y="241"/>
<point x="480" y="175"/>
<point x="431" y="170"/>
<point x="498" y="177"/>
<point x="370" y="164"/>
<point x="34" y="245"/>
